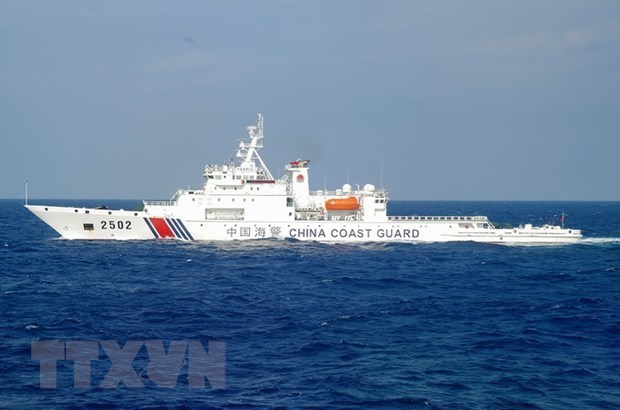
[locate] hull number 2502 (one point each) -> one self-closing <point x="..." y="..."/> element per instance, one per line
<point x="115" y="224"/>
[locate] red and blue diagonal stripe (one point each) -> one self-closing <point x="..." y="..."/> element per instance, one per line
<point x="168" y="228"/>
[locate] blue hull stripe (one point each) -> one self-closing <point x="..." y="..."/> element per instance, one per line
<point x="171" y="225"/>
<point x="189" y="235"/>
<point x="175" y="224"/>
<point x="148" y="223"/>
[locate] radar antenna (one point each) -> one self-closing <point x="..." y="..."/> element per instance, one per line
<point x="248" y="151"/>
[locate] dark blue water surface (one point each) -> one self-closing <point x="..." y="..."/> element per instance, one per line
<point x="450" y="325"/>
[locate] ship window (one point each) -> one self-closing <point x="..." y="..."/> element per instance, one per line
<point x="89" y="227"/>
<point x="87" y="211"/>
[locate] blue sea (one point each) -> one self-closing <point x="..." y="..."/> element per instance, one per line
<point x="313" y="325"/>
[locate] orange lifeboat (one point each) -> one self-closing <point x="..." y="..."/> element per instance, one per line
<point x="345" y="204"/>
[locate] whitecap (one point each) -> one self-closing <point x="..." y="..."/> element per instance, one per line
<point x="598" y="241"/>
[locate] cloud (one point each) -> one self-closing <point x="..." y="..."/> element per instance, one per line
<point x="186" y="61"/>
<point x="202" y="60"/>
<point x="579" y="38"/>
<point x="532" y="43"/>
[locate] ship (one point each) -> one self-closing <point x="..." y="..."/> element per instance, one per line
<point x="241" y="200"/>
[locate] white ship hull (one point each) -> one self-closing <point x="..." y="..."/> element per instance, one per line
<point x="98" y="224"/>
<point x="243" y="201"/>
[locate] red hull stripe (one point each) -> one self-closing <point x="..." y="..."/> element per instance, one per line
<point x="162" y="228"/>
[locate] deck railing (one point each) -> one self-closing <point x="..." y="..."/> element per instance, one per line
<point x="160" y="203"/>
<point x="438" y="218"/>
<point x="379" y="193"/>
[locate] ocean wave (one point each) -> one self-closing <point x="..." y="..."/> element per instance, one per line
<point x="314" y="325"/>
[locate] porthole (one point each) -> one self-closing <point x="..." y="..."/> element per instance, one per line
<point x="76" y="210"/>
<point x="109" y="212"/>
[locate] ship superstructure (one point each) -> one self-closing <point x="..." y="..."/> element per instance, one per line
<point x="242" y="200"/>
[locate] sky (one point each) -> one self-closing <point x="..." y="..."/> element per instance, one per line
<point x="432" y="100"/>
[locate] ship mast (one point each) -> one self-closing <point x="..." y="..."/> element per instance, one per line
<point x="248" y="151"/>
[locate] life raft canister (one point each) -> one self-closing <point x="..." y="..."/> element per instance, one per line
<point x="344" y="204"/>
